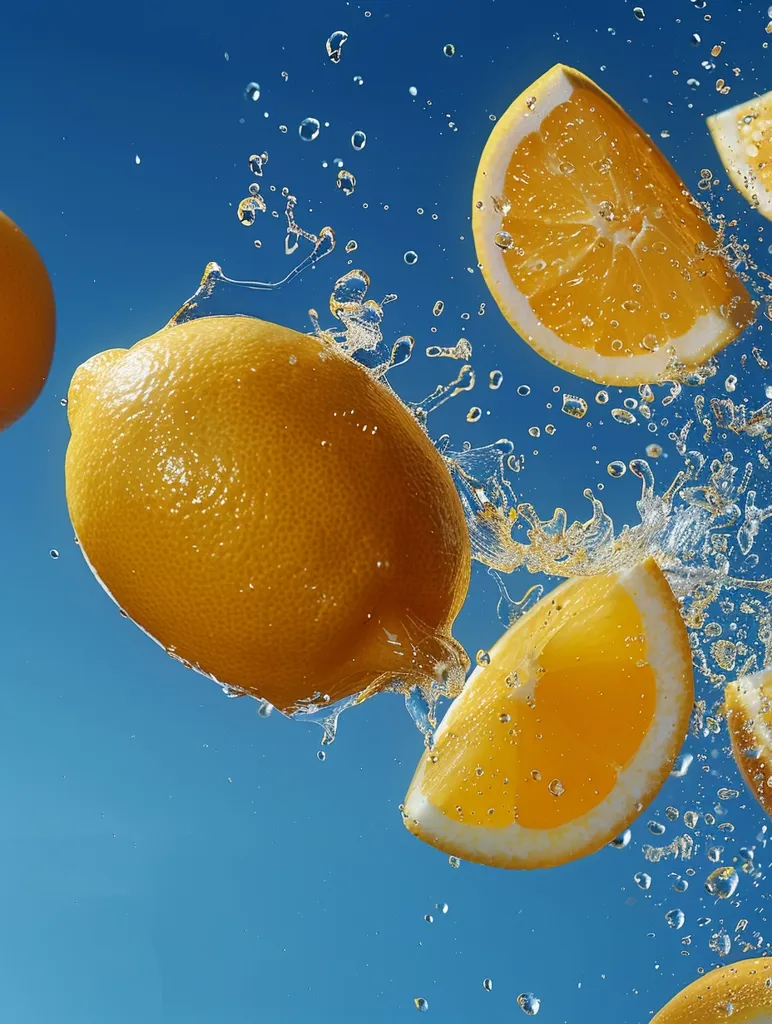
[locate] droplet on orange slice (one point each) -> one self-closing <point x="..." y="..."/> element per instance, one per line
<point x="592" y="246"/>
<point x="559" y="741"/>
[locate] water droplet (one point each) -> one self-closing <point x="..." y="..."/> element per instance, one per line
<point x="574" y="406"/>
<point x="504" y="240"/>
<point x="623" y="416"/>
<point x="675" y="918"/>
<point x="722" y="883"/>
<point x="54" y="553"/>
<point x="474" y="414"/>
<point x="421" y="1004"/>
<point x="454" y="862"/>
<point x="443" y="907"/>
<point x="720" y="942"/>
<point x="622" y="840"/>
<point x="334" y="45"/>
<point x="257" y="162"/>
<point x="448" y="49"/>
<point x="253" y="92"/>
<point x="679" y="884"/>
<point x="656" y="828"/>
<point x="359" y="140"/>
<point x="320" y="755"/>
<point x="264" y="709"/>
<point x="523" y="390"/>
<point x="309" y="129"/>
<point x="488" y="984"/>
<point x="495" y="380"/>
<point x="642" y="880"/>
<point x="483" y="658"/>
<point x="346" y="182"/>
<point x="639" y="13"/>
<point x="616" y="469"/>
<point x="358" y="80"/>
<point x="410" y="257"/>
<point x="682" y="763"/>
<point x="63" y="401"/>
<point x="249" y="208"/>
<point x="351" y="246"/>
<point x="413" y="91"/>
<point x="693" y="83"/>
<point x="428" y="918"/>
<point x="529" y="1003"/>
<point x="654" y="451"/>
<point x="556" y="787"/>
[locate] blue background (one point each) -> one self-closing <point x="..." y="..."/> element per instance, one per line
<point x="166" y="855"/>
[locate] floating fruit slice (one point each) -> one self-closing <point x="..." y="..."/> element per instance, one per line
<point x="749" y="718"/>
<point x="571" y="728"/>
<point x="743" y="138"/>
<point x="742" y="991"/>
<point x="591" y="245"/>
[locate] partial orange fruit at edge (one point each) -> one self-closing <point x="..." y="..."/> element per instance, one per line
<point x="590" y="243"/>
<point x="267" y="511"/>
<point x="740" y="992"/>
<point x="27" y="322"/>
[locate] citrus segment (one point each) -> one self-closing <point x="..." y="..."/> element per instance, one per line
<point x="591" y="245"/>
<point x="749" y="718"/>
<point x="267" y="511"/>
<point x="743" y="138"/>
<point x="556" y="744"/>
<point x="27" y="322"/>
<point x="741" y="991"/>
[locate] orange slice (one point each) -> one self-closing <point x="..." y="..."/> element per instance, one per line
<point x="743" y="138"/>
<point x="591" y="245"/>
<point x="749" y="718"/>
<point x="557" y="744"/>
<point x="740" y="992"/>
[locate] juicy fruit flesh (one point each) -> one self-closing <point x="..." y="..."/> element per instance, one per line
<point x="604" y="243"/>
<point x="754" y="130"/>
<point x="267" y="511"/>
<point x="563" y="707"/>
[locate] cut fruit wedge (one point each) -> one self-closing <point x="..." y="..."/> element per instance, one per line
<point x="591" y="245"/>
<point x="743" y="138"/>
<point x="557" y="744"/>
<point x="749" y="718"/>
<point x="741" y="991"/>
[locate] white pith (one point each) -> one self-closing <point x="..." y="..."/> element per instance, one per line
<point x="519" y="847"/>
<point x="731" y="149"/>
<point x="708" y="333"/>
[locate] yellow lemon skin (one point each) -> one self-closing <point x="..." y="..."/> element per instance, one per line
<point x="27" y="323"/>
<point x="741" y="992"/>
<point x="266" y="510"/>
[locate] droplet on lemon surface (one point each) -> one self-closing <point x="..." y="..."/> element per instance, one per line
<point x="268" y="512"/>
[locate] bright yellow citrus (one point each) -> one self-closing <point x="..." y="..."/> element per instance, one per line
<point x="743" y="138"/>
<point x="266" y="510"/>
<point x="591" y="245"/>
<point x="558" y="743"/>
<point x="749" y="718"/>
<point x="27" y="322"/>
<point x="740" y="992"/>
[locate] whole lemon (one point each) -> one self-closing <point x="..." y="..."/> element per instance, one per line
<point x="27" y="322"/>
<point x="267" y="511"/>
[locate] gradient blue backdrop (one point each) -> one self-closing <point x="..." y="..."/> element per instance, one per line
<point x="166" y="855"/>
